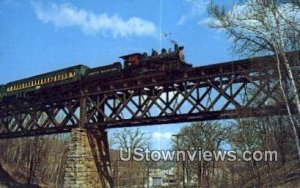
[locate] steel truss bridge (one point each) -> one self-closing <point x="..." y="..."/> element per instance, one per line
<point x="244" y="88"/>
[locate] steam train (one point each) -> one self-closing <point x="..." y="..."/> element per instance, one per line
<point x="134" y="64"/>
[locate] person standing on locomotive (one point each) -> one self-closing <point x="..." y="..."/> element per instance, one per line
<point x="181" y="54"/>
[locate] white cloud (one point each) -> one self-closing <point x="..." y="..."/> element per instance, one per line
<point x="209" y="20"/>
<point x="66" y="15"/>
<point x="161" y="135"/>
<point x="198" y="7"/>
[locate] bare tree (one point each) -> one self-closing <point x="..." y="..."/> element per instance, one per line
<point x="266" y="27"/>
<point x="128" y="140"/>
<point x="35" y="160"/>
<point x="206" y="136"/>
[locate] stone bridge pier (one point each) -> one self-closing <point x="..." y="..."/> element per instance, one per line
<point x="88" y="163"/>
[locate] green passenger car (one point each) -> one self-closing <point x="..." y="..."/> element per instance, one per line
<point x="50" y="79"/>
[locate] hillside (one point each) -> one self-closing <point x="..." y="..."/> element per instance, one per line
<point x="6" y="180"/>
<point x="281" y="176"/>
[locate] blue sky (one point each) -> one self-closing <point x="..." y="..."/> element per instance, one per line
<point x="41" y="36"/>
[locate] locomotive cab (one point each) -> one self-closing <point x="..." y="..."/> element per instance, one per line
<point x="132" y="60"/>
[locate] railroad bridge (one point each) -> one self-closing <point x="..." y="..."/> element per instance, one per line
<point x="244" y="88"/>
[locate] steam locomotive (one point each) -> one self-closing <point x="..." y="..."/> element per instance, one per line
<point x="134" y="65"/>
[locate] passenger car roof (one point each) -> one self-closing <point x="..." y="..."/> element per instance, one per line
<point x="48" y="73"/>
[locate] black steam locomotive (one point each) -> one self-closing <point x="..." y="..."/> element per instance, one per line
<point x="165" y="61"/>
